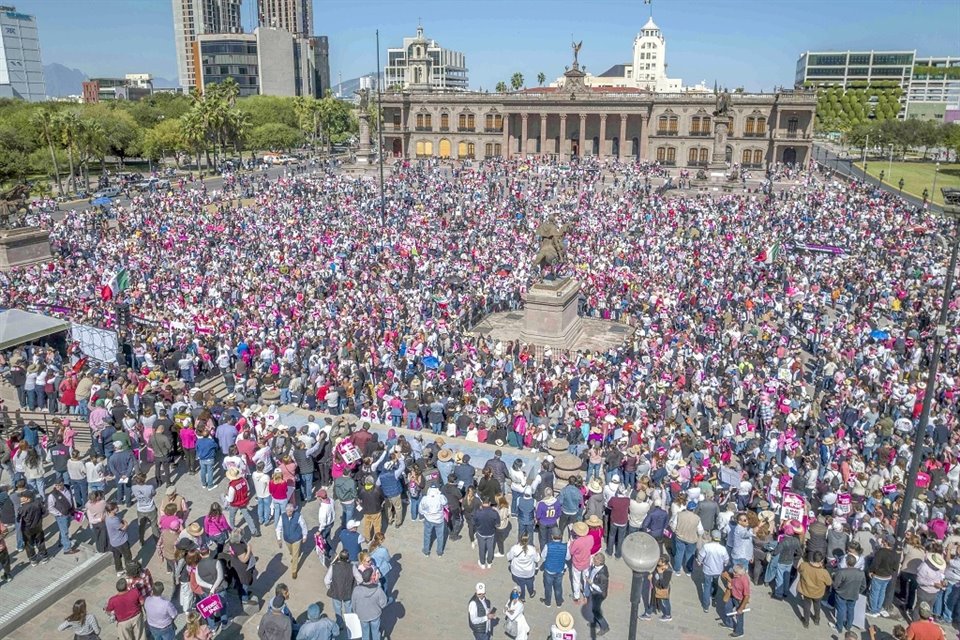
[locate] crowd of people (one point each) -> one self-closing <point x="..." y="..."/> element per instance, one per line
<point x="758" y="421"/>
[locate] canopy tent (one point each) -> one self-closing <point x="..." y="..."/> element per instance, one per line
<point x="18" y="327"/>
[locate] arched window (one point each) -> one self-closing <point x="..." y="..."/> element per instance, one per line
<point x="692" y="155"/>
<point x="419" y="121"/>
<point x="674" y="124"/>
<point x="745" y="158"/>
<point x="462" y="121"/>
<point x="444" y="121"/>
<point x="761" y="126"/>
<point x="662" y="125"/>
<point x="471" y="150"/>
<point x="496" y="150"/>
<point x="488" y="148"/>
<point x="462" y="150"/>
<point x="695" y="126"/>
<point x="749" y="129"/>
<point x="488" y="122"/>
<point x="703" y="156"/>
<point x="671" y="155"/>
<point x="758" y="158"/>
<point x="661" y="154"/>
<point x="471" y="121"/>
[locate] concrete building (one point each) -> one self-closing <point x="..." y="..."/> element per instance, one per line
<point x="422" y="64"/>
<point x="134" y="86"/>
<point x="934" y="92"/>
<point x="675" y="129"/>
<point x="295" y="16"/>
<point x="266" y="62"/>
<point x="230" y="55"/>
<point x="21" y="67"/>
<point x="194" y="18"/>
<point x="844" y="68"/>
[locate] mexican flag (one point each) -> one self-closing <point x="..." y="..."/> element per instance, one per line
<point x="118" y="282"/>
<point x="768" y="255"/>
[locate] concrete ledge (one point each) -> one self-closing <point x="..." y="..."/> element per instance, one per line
<point x="41" y="599"/>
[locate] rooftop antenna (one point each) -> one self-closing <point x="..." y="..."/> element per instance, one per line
<point x="649" y="3"/>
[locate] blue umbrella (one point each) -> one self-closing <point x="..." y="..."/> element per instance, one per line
<point x="431" y="362"/>
<point x="879" y="334"/>
<point x="101" y="202"/>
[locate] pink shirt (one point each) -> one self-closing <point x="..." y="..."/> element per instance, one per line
<point x="580" y="552"/>
<point x="188" y="438"/>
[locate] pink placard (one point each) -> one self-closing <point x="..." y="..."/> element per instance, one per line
<point x="209" y="606"/>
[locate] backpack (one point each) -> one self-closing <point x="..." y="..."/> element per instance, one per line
<point x="241" y="493"/>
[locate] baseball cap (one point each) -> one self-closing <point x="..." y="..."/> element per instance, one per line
<point x="481" y="588"/>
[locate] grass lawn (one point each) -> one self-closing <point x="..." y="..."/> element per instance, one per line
<point x="917" y="176"/>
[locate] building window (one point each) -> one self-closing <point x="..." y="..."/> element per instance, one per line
<point x="692" y="157"/>
<point x="424" y="149"/>
<point x="496" y="149"/>
<point x="444" y="122"/>
<point x="745" y="159"/>
<point x="700" y="126"/>
<point x="488" y="149"/>
<point x="661" y="127"/>
<point x="666" y="155"/>
<point x="758" y="157"/>
<point x="703" y="157"/>
<point x="471" y="122"/>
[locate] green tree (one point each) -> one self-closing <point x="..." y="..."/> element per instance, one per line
<point x="274" y="136"/>
<point x="165" y="138"/>
<point x="45" y="123"/>
<point x="541" y="78"/>
<point x="501" y="87"/>
<point x="516" y="81"/>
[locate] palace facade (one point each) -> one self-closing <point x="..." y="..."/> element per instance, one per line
<point x="676" y="129"/>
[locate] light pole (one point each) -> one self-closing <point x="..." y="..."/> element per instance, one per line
<point x="936" y="172"/>
<point x="641" y="552"/>
<point x="951" y="209"/>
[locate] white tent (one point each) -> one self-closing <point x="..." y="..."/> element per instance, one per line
<point x="18" y="327"/>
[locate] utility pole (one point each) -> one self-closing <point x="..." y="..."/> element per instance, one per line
<point x="383" y="207"/>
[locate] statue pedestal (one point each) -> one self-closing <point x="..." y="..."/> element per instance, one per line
<point x="364" y="152"/>
<point x="23" y="247"/>
<point x="550" y="315"/>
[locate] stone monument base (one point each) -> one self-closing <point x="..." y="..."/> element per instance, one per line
<point x="550" y="319"/>
<point x="366" y="157"/>
<point x="23" y="247"/>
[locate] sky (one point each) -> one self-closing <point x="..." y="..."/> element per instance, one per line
<point x="749" y="43"/>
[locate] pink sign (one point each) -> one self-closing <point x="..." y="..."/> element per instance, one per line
<point x="843" y="504"/>
<point x="923" y="480"/>
<point x="889" y="488"/>
<point x="210" y="606"/>
<point x="793" y="507"/>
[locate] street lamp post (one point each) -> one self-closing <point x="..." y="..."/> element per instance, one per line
<point x="641" y="551"/>
<point x="951" y="209"/>
<point x="936" y="172"/>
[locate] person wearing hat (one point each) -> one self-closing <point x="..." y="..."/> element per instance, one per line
<point x="580" y="546"/>
<point x="276" y="624"/>
<point x="238" y="499"/>
<point x="370" y="501"/>
<point x="687" y="531"/>
<point x="480" y="613"/>
<point x="713" y="559"/>
<point x="924" y="628"/>
<point x="61" y="506"/>
<point x="318" y="626"/>
<point x="787" y="552"/>
<point x="930" y="579"/>
<point x="562" y="627"/>
<point x="210" y="576"/>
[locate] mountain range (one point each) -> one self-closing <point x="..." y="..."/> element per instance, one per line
<point x="64" y="81"/>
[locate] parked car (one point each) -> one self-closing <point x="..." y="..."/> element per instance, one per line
<point x="109" y="192"/>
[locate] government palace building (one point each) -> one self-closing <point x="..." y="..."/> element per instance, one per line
<point x="579" y="115"/>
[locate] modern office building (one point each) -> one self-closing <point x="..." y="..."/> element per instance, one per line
<point x="133" y="86"/>
<point x="295" y="16"/>
<point x="230" y="55"/>
<point x="934" y="92"/>
<point x="194" y="18"/>
<point x="848" y="68"/>
<point x="269" y="62"/>
<point x="21" y="67"/>
<point x="422" y="64"/>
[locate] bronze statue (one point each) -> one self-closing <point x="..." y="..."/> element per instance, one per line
<point x="364" y="99"/>
<point x="551" y="251"/>
<point x="13" y="202"/>
<point x="723" y="104"/>
<point x="576" y="46"/>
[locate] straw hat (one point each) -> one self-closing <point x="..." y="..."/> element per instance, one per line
<point x="564" y="621"/>
<point x="595" y="485"/>
<point x="445" y="455"/>
<point x="195" y="530"/>
<point x="828" y="441"/>
<point x="594" y="521"/>
<point x="580" y="529"/>
<point x="233" y="473"/>
<point x="936" y="560"/>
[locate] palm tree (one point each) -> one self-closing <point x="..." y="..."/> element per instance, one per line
<point x="516" y="81"/>
<point x="541" y="78"/>
<point x="92" y="142"/>
<point x="46" y="124"/>
<point x="67" y="125"/>
<point x="194" y="132"/>
<point x="501" y="87"/>
<point x="239" y="123"/>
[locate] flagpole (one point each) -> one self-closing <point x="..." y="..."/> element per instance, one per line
<point x="383" y="208"/>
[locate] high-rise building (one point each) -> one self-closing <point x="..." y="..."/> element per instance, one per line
<point x="21" y="68"/>
<point x="268" y="62"/>
<point x="193" y="18"/>
<point x="423" y="64"/>
<point x="846" y="69"/>
<point x="295" y="16"/>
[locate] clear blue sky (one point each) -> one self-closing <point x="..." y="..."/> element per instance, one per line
<point x="753" y="43"/>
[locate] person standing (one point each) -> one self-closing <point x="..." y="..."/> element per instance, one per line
<point x="713" y="558"/>
<point x="126" y="609"/>
<point x="30" y="519"/>
<point x="787" y="553"/>
<point x="238" y="499"/>
<point x="292" y="531"/>
<point x="516" y="625"/>
<point x="547" y="516"/>
<point x="554" y="566"/>
<point x="144" y="496"/>
<point x="370" y="500"/>
<point x="207" y="448"/>
<point x="162" y="445"/>
<point x="160" y="614"/>
<point x="598" y="583"/>
<point x="61" y="506"/>
<point x="563" y="627"/>
<point x="486" y="520"/>
<point x="813" y="585"/>
<point x="317" y="626"/>
<point x="434" y="525"/>
<point x="660" y="586"/>
<point x="390" y="479"/>
<point x="579" y="548"/>
<point x="210" y="576"/>
<point x="480" y="613"/>
<point x="369" y="601"/>
<point x="118" y="537"/>
<point x="883" y="567"/>
<point x="848" y="583"/>
<point x="924" y="628"/>
<point x="340" y="582"/>
<point x="80" y="623"/>
<point x="619" y="506"/>
<point x="122" y="466"/>
<point x="523" y="561"/>
<point x="738" y="585"/>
